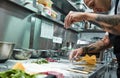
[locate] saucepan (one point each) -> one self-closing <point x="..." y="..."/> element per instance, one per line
<point x="6" y="49"/>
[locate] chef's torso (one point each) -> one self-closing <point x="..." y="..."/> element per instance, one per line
<point x="114" y="39"/>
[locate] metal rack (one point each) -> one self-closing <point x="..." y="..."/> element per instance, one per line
<point x="110" y="63"/>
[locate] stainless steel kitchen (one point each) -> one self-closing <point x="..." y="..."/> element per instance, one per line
<point x="51" y="39"/>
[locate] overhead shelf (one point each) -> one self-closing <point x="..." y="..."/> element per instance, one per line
<point x="10" y="5"/>
<point x="23" y="10"/>
<point x="92" y="31"/>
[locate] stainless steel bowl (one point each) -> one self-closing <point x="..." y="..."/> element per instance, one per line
<point x="6" y="49"/>
<point x="44" y="53"/>
<point x="20" y="54"/>
<point x="35" y="53"/>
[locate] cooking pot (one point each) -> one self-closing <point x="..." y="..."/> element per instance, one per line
<point x="6" y="49"/>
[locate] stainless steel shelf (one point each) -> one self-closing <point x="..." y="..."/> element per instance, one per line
<point x="23" y="10"/>
<point x="20" y="9"/>
<point x="92" y="31"/>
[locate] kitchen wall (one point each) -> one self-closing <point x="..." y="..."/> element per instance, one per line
<point x="18" y="25"/>
<point x="43" y="34"/>
<point x="46" y="32"/>
<point x="17" y="29"/>
<point x="66" y="35"/>
<point x="14" y="26"/>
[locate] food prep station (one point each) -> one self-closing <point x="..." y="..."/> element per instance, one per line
<point x="62" y="66"/>
<point x="31" y="41"/>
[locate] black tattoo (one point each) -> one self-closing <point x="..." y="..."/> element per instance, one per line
<point x="91" y="48"/>
<point x="88" y="49"/>
<point x="111" y="20"/>
<point x="103" y="27"/>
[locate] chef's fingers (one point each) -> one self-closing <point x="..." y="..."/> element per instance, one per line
<point x="77" y="54"/>
<point x="68" y="20"/>
<point x="71" y="55"/>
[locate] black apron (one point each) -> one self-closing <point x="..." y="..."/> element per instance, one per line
<point x="115" y="40"/>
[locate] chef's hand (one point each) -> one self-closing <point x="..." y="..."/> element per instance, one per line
<point x="73" y="17"/>
<point x="75" y="53"/>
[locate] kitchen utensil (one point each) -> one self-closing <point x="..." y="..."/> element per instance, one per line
<point x="20" y="54"/>
<point x="82" y="69"/>
<point x="78" y="71"/>
<point x="6" y="49"/>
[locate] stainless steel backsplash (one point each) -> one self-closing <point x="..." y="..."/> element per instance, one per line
<point x="15" y="26"/>
<point x="14" y="29"/>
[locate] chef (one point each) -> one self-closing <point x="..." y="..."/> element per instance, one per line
<point x="108" y="22"/>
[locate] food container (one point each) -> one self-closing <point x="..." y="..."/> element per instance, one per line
<point x="6" y="49"/>
<point x="47" y="11"/>
<point x="40" y="7"/>
<point x="20" y="54"/>
<point x="54" y="14"/>
<point x="46" y="3"/>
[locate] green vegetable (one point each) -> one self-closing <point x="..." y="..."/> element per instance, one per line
<point x="15" y="74"/>
<point x="41" y="61"/>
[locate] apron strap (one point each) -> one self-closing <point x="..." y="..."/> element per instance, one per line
<point x="116" y="4"/>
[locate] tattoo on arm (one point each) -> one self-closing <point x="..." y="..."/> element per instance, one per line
<point x="102" y="26"/>
<point x="97" y="47"/>
<point x="93" y="22"/>
<point x="111" y="20"/>
<point x="93" y="48"/>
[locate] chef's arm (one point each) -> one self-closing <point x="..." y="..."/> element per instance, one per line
<point x="109" y="23"/>
<point x="98" y="46"/>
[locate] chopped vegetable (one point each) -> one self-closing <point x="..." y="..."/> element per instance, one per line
<point x="18" y="66"/>
<point x="41" y="61"/>
<point x="15" y="74"/>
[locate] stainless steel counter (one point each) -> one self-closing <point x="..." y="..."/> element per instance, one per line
<point x="62" y="66"/>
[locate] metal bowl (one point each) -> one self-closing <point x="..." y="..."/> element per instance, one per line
<point x="6" y="49"/>
<point x="44" y="53"/>
<point x="35" y="53"/>
<point x="20" y="54"/>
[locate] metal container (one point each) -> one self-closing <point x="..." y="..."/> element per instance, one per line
<point x="35" y="53"/>
<point x="6" y="49"/>
<point x="20" y="54"/>
<point x="45" y="53"/>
